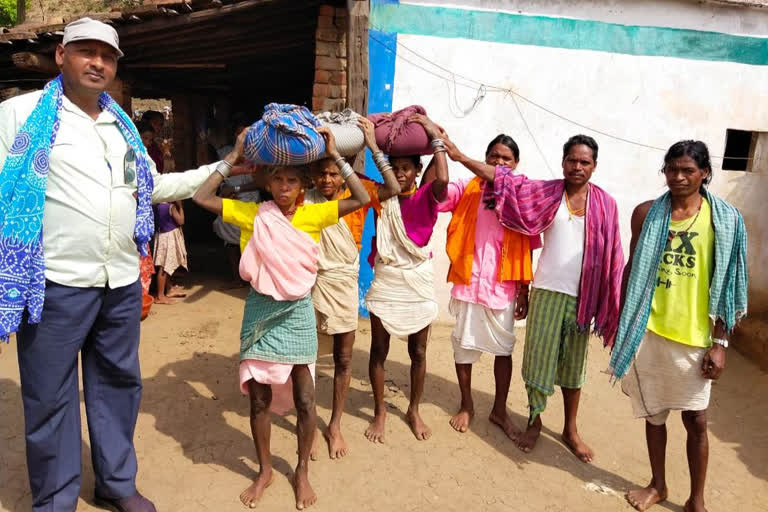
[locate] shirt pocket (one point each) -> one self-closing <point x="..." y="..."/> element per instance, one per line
<point x="124" y="169"/>
<point x="130" y="167"/>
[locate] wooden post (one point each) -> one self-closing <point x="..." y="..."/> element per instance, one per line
<point x="357" y="56"/>
<point x="21" y="11"/>
<point x="357" y="62"/>
<point x="184" y="155"/>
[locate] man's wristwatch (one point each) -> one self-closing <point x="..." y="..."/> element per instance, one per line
<point x="720" y="341"/>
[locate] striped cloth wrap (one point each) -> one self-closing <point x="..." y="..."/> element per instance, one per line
<point x="278" y="331"/>
<point x="529" y="207"/>
<point x="349" y="137"/>
<point x="285" y="135"/>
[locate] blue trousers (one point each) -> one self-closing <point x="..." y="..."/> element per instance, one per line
<point x="101" y="324"/>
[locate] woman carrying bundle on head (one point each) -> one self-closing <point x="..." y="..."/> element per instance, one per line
<point x="401" y="299"/>
<point x="335" y="294"/>
<point x="278" y="339"/>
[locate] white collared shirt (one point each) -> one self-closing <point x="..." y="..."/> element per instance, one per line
<point x="90" y="209"/>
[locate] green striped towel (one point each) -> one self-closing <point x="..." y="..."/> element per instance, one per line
<point x="278" y="331"/>
<point x="727" y="292"/>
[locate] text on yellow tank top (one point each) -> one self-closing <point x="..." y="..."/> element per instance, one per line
<point x="680" y="307"/>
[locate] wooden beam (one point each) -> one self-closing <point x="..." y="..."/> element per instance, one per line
<point x="179" y="22"/>
<point x="222" y="54"/>
<point x="357" y="62"/>
<point x="227" y="39"/>
<point x="199" y="65"/>
<point x="17" y="36"/>
<point x="35" y="62"/>
<point x="251" y="24"/>
<point x="357" y="56"/>
<point x="98" y="16"/>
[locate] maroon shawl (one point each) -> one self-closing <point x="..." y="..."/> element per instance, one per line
<point x="529" y="207"/>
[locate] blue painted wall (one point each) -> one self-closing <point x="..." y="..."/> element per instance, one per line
<point x="381" y="82"/>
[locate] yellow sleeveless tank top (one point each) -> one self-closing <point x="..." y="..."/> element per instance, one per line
<point x="680" y="307"/>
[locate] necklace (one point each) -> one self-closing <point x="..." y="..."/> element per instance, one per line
<point x="290" y="212"/>
<point x="571" y="211"/>
<point x="410" y="192"/>
<point x="672" y="234"/>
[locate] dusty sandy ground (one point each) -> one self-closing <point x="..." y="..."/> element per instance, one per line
<point x="195" y="450"/>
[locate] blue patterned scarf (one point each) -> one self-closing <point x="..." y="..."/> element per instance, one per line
<point x="727" y="291"/>
<point x="23" y="181"/>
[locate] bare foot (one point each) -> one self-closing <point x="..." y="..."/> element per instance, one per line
<point x="418" y="427"/>
<point x="460" y="422"/>
<point x="645" y="498"/>
<point x="375" y="431"/>
<point x="305" y="495"/>
<point x="176" y="291"/>
<point x="527" y="440"/>
<point x="337" y="446"/>
<point x="694" y="506"/>
<point x="164" y="300"/>
<point x="505" y="423"/>
<point x="251" y="496"/>
<point x="578" y="447"/>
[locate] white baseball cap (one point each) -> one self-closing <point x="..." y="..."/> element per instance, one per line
<point x="87" y="29"/>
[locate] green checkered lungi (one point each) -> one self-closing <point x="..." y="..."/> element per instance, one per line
<point x="278" y="331"/>
<point x="555" y="351"/>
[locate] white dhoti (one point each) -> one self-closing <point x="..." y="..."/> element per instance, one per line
<point x="335" y="294"/>
<point x="665" y="376"/>
<point x="402" y="294"/>
<point x="480" y="329"/>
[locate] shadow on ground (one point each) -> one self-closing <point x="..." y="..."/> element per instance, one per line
<point x="187" y="388"/>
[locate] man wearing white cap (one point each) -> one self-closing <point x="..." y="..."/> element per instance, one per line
<point x="76" y="188"/>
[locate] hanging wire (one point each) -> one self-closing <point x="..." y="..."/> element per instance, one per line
<point x="533" y="137"/>
<point x="464" y="112"/>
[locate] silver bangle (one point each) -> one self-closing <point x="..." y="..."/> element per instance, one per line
<point x="720" y="341"/>
<point x="346" y="171"/>
<point x="380" y="160"/>
<point x="437" y="143"/>
<point x="224" y="168"/>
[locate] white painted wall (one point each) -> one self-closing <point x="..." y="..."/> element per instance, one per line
<point x="653" y="100"/>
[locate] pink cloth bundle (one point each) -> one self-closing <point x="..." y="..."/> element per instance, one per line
<point x="397" y="137"/>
